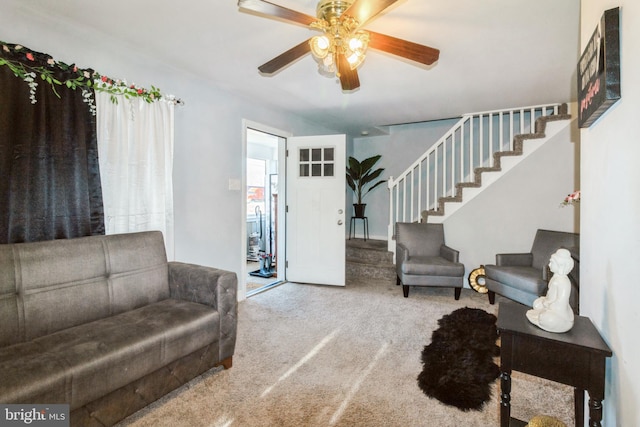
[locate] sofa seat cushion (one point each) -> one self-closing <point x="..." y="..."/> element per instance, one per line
<point x="527" y="279"/>
<point x="432" y="266"/>
<point x="80" y="364"/>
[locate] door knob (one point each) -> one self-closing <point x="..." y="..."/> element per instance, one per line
<point x="339" y="222"/>
<point x="340" y="211"/>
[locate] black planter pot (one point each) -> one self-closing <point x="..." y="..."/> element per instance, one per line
<point x="359" y="209"/>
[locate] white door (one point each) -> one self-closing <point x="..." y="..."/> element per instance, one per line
<point x="315" y="209"/>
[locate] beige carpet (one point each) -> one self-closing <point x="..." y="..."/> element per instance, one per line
<point x="324" y="356"/>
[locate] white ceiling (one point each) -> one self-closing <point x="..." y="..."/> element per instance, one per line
<point x="494" y="54"/>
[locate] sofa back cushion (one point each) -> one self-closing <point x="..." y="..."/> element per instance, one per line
<point x="547" y="242"/>
<point x="53" y="285"/>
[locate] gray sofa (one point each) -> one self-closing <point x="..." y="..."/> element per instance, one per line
<point x="107" y="325"/>
<point x="523" y="277"/>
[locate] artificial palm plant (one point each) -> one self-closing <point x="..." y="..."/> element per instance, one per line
<point x="361" y="177"/>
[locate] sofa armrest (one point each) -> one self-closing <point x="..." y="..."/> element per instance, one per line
<point x="205" y="285"/>
<point x="449" y="254"/>
<point x="519" y="260"/>
<point x="213" y="287"/>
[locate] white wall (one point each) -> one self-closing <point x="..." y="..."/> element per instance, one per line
<point x="505" y="216"/>
<point x="209" y="132"/>
<point x="610" y="240"/>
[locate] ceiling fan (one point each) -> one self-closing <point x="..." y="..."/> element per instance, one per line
<point x="342" y="46"/>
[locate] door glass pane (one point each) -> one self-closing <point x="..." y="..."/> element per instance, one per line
<point x="304" y="154"/>
<point x="304" y="170"/>
<point x="328" y="169"/>
<point x="328" y="154"/>
<point x="316" y="169"/>
<point x="316" y="154"/>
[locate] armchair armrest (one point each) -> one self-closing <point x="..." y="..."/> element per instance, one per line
<point x="402" y="253"/>
<point x="516" y="260"/>
<point x="449" y="254"/>
<point x="213" y="287"/>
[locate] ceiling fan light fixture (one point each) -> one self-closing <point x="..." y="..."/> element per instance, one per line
<point x="355" y="50"/>
<point x="328" y="62"/>
<point x="327" y="66"/>
<point x="355" y="60"/>
<point x="355" y="44"/>
<point x="320" y="46"/>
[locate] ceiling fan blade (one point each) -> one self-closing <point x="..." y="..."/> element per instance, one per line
<point x="267" y="8"/>
<point x="349" y="79"/>
<point x="285" y="58"/>
<point x="364" y="10"/>
<point x="406" y="49"/>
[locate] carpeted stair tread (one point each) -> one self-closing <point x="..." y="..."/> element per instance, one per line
<point x="369" y="259"/>
<point x="370" y="244"/>
<point x="357" y="269"/>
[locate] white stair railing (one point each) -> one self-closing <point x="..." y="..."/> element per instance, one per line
<point x="468" y="145"/>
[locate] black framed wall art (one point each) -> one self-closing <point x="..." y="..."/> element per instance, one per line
<point x="599" y="70"/>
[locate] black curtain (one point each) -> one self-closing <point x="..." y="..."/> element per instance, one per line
<point x="49" y="173"/>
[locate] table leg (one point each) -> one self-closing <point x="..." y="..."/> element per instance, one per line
<point x="595" y="412"/>
<point x="505" y="398"/>
<point x="366" y="228"/>
<point x="350" y="225"/>
<point x="578" y="397"/>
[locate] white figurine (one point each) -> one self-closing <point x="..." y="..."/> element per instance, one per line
<point x="552" y="312"/>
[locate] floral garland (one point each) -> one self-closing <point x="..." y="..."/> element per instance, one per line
<point x="27" y="66"/>
<point x="571" y="199"/>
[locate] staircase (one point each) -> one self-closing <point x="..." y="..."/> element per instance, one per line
<point x="473" y="154"/>
<point x="369" y="259"/>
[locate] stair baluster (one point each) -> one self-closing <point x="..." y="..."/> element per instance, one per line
<point x="473" y="145"/>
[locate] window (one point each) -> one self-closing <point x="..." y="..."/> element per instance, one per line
<point x="316" y="162"/>
<point x="256" y="170"/>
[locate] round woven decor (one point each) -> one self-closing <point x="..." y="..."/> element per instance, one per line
<point x="477" y="280"/>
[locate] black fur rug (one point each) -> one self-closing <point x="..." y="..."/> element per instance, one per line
<point x="458" y="364"/>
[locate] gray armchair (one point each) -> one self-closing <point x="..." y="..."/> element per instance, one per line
<point x="423" y="259"/>
<point x="523" y="277"/>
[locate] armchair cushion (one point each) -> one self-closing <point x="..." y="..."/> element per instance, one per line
<point x="431" y="266"/>
<point x="522" y="260"/>
<point x="524" y="278"/>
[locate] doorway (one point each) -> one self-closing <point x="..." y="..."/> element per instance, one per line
<point x="264" y="233"/>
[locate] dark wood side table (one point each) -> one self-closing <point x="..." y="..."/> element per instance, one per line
<point x="575" y="358"/>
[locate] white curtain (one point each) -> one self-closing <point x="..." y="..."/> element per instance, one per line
<point x="135" y="147"/>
